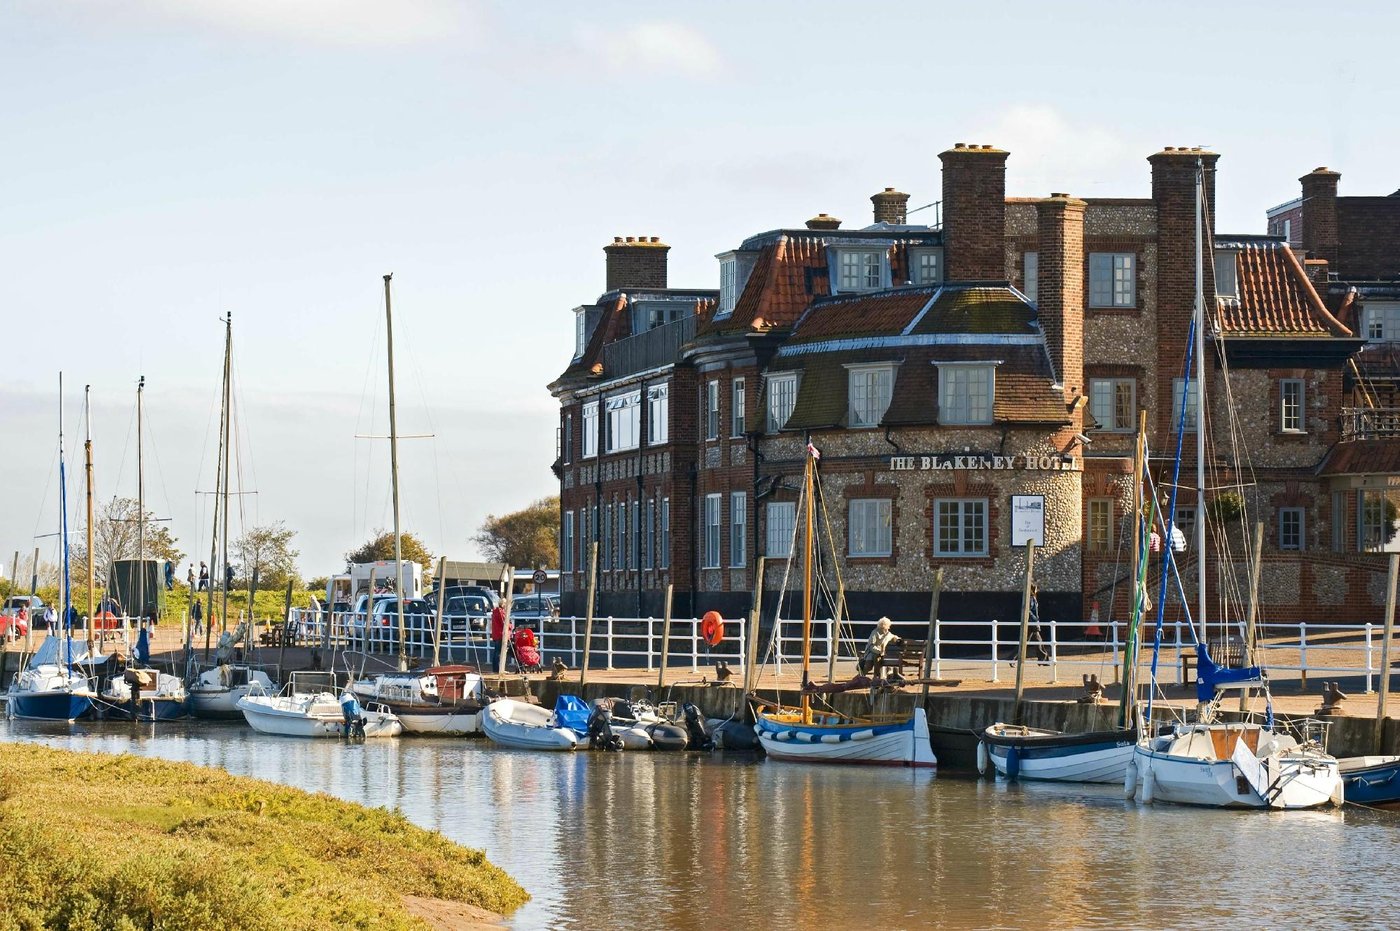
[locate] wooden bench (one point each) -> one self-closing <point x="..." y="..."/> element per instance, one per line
<point x="904" y="655"/>
<point x="271" y="637"/>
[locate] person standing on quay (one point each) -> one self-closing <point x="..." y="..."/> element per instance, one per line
<point x="203" y="576"/>
<point x="190" y="578"/>
<point x="498" y="635"/>
<point x="196" y="615"/>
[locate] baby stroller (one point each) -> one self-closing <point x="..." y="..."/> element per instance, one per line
<point x="525" y="650"/>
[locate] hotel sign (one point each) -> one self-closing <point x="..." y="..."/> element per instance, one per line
<point x="984" y="461"/>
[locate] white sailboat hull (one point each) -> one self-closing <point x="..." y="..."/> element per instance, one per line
<point x="213" y="694"/>
<point x="1287" y="778"/>
<point x="512" y="723"/>
<point x="902" y="744"/>
<point x="310" y="716"/>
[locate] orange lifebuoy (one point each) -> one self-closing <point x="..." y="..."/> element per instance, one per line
<point x="712" y="628"/>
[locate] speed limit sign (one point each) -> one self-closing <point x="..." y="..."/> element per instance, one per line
<point x="541" y="577"/>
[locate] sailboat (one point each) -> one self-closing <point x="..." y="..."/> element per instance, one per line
<point x="52" y="687"/>
<point x="1212" y="762"/>
<point x="803" y="735"/>
<point x="1017" y="751"/>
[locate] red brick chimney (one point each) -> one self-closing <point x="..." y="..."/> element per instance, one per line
<point x="636" y="262"/>
<point x="1320" y="214"/>
<point x="891" y="207"/>
<point x="1060" y="290"/>
<point x="974" y="212"/>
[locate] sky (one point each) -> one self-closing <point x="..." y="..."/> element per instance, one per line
<point x="170" y="162"/>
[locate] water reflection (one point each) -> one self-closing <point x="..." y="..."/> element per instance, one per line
<point x="689" y="842"/>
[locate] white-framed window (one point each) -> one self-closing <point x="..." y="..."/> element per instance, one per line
<point x="1112" y="402"/>
<point x="960" y="526"/>
<point x="1112" y="279"/>
<point x="664" y="556"/>
<point x="925" y="266"/>
<point x="1186" y="522"/>
<point x="624" y="554"/>
<point x="590" y="429"/>
<point x="965" y="393"/>
<point x="580" y="330"/>
<point x="868" y="390"/>
<point x="566" y="550"/>
<point x="1226" y="281"/>
<point x="860" y="270"/>
<point x="650" y="561"/>
<point x="780" y="516"/>
<point x="585" y="537"/>
<point x="1383" y="322"/>
<point x="648" y="315"/>
<point x="634" y="552"/>
<point x="868" y="526"/>
<point x="1030" y="262"/>
<point x="713" y="505"/>
<point x="1100" y="535"/>
<point x="1376" y="521"/>
<point x="1290" y="528"/>
<point x="738" y="528"/>
<point x="1290" y="405"/>
<point x="624" y="421"/>
<point x="711" y="411"/>
<point x="728" y="285"/>
<point x="1192" y="402"/>
<point x="658" y="414"/>
<point x="605" y="539"/>
<point x="782" y="398"/>
<point x="568" y="444"/>
<point x="1339" y="521"/>
<point x="1287" y="230"/>
<point x="736" y="410"/>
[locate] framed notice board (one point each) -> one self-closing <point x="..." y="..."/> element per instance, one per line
<point x="1027" y="520"/>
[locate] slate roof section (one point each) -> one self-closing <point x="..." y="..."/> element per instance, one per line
<point x="1275" y="296"/>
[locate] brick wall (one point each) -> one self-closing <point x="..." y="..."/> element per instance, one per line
<point x="636" y="262"/>
<point x="974" y="213"/>
<point x="1320" y="214"/>
<point x="1368" y="234"/>
<point x="1060" y="291"/>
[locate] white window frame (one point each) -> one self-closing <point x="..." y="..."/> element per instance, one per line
<point x="1108" y="421"/>
<point x="738" y="529"/>
<point x="568" y="444"/>
<point x="728" y="285"/>
<point x="869" y="527"/>
<point x="1193" y="405"/>
<point x="737" y="411"/>
<point x="1371" y="530"/>
<point x="1099" y="525"/>
<point x="566" y="558"/>
<point x="650" y="562"/>
<point x="1292" y="524"/>
<point x="779" y="519"/>
<point x="953" y="377"/>
<point x="1185" y="521"/>
<point x="605" y="539"/>
<point x="861" y="269"/>
<point x="1030" y="275"/>
<point x="711" y="409"/>
<point x="1112" y="279"/>
<point x="714" y="504"/>
<point x="781" y="394"/>
<point x="590" y="429"/>
<point x="624" y="421"/>
<point x="925" y="265"/>
<point x="621" y="563"/>
<point x="1383" y="322"/>
<point x="1292" y="413"/>
<point x="659" y="414"/>
<point x="664" y="556"/>
<point x="580" y="330"/>
<point x="1227" y="280"/>
<point x="868" y="392"/>
<point x="971" y="515"/>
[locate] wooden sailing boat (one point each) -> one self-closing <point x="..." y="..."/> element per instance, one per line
<point x="1089" y="756"/>
<point x="804" y="735"/>
<point x="1209" y="762"/>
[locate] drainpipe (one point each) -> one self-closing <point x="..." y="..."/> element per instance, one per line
<point x="694" y="546"/>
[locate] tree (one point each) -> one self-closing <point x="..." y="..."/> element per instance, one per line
<point x="115" y="534"/>
<point x="381" y="546"/>
<point x="268" y="551"/>
<point x="528" y="538"/>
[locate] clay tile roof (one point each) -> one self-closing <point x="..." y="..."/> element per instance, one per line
<point x="785" y="277"/>
<point x="1275" y="296"/>
<point x="978" y="309"/>
<point x="885" y="313"/>
<point x="1362" y="456"/>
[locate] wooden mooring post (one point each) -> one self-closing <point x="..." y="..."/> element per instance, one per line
<point x="588" y="614"/>
<point x="1025" y="628"/>
<point x="665" y="639"/>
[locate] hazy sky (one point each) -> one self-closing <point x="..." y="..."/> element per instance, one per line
<point x="167" y="161"/>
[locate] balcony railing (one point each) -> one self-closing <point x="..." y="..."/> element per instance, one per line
<point x="1370" y="423"/>
<point x="656" y="347"/>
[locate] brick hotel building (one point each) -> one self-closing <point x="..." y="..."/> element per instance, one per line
<point x="952" y="372"/>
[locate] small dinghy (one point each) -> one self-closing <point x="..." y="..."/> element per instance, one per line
<point x="315" y="714"/>
<point x="1055" y="756"/>
<point x="1371" y="780"/>
<point x="144" y="695"/>
<point x="513" y="723"/>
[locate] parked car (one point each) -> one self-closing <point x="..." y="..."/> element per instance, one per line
<point x="492" y="597"/>
<point x="466" y="610"/>
<point x="530" y="609"/>
<point x="418" y="620"/>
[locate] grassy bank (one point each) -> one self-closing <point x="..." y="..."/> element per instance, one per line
<point x="98" y="841"/>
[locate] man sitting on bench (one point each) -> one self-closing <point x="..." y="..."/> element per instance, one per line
<point x="880" y="641"/>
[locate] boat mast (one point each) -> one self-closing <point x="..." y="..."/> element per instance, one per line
<point x="807" y="503"/>
<point x="394" y="475"/>
<point x="1135" y="613"/>
<point x="218" y="477"/>
<point x="140" y="509"/>
<point x="66" y="594"/>
<point x="87" y="461"/>
<point x="227" y="442"/>
<point x="1200" y="317"/>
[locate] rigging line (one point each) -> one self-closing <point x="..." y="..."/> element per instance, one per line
<point x="360" y="512"/>
<point x="245" y="444"/>
<point x="126" y="447"/>
<point x="160" y="471"/>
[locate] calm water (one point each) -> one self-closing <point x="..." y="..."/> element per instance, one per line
<point x="653" y="840"/>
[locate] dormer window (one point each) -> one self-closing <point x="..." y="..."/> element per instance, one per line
<point x="861" y="270"/>
<point x="868" y="390"/>
<point x="925" y="266"/>
<point x="580" y="330"/>
<point x="728" y="285"/>
<point x="1226" y="280"/>
<point x="1382" y="322"/>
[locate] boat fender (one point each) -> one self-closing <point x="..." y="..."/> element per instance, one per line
<point x="863" y="735"/>
<point x="1130" y="781"/>
<point x="982" y="757"/>
<point x="1149" y="786"/>
<point x="1013" y="762"/>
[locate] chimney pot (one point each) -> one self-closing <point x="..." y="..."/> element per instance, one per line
<point x="960" y="145"/>
<point x="617" y="239"/>
<point x="823" y="221"/>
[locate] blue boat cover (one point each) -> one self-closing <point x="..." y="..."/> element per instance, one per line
<point x="572" y="712"/>
<point x="141" y="653"/>
<point x="1210" y="677"/>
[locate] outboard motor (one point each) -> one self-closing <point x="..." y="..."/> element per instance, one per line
<point x="697" y="729"/>
<point x="600" y="735"/>
<point x="354" y="721"/>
